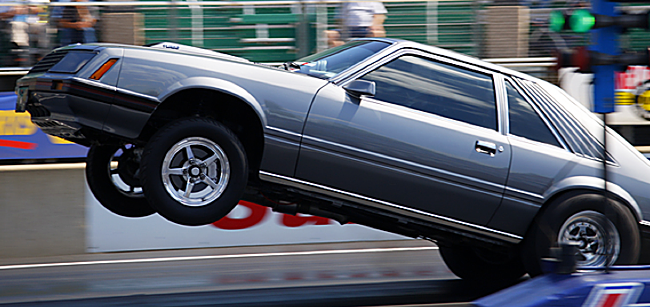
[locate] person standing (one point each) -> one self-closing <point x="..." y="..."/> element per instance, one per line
<point x="27" y="23"/>
<point x="76" y="24"/>
<point x="363" y="19"/>
<point x="357" y="19"/>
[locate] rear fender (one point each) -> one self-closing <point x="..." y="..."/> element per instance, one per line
<point x="594" y="184"/>
<point x="220" y="85"/>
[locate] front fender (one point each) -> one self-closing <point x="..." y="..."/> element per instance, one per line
<point x="595" y="184"/>
<point x="220" y="85"/>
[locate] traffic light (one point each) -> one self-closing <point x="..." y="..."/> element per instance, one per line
<point x="582" y="21"/>
<point x="557" y="21"/>
<point x="603" y="56"/>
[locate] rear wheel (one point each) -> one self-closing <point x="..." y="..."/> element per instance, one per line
<point x="480" y="265"/>
<point x="194" y="171"/>
<point x="604" y="232"/>
<point x="111" y="172"/>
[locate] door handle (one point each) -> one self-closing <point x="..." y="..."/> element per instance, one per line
<point x="484" y="147"/>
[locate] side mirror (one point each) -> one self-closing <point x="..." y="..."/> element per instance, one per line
<point x="358" y="88"/>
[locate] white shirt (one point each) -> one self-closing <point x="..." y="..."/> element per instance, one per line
<point x="361" y="14"/>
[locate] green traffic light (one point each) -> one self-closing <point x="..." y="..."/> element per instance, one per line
<point x="556" y="21"/>
<point x="582" y="21"/>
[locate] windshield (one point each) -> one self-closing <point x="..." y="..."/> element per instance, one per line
<point x="330" y="62"/>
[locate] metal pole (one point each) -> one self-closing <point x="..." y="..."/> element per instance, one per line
<point x="303" y="32"/>
<point x="605" y="193"/>
<point x="172" y="21"/>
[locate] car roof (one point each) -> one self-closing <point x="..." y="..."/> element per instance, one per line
<point x="400" y="43"/>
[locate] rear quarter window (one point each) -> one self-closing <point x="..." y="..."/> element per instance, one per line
<point x="525" y="121"/>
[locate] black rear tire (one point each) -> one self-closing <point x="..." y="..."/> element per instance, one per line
<point x="586" y="220"/>
<point x="194" y="171"/>
<point x="117" y="189"/>
<point x="479" y="265"/>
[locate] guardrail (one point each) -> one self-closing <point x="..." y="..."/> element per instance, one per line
<point x="14" y="71"/>
<point x="9" y="75"/>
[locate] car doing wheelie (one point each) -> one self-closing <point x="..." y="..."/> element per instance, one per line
<point x="493" y="165"/>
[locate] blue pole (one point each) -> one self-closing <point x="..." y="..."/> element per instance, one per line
<point x="604" y="40"/>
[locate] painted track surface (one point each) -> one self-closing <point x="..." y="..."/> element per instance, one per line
<point x="347" y="274"/>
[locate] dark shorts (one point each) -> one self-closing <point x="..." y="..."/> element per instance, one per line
<point x="354" y="32"/>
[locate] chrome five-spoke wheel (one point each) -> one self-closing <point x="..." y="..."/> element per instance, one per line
<point x="195" y="171"/>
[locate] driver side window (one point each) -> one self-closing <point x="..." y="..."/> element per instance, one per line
<point x="437" y="88"/>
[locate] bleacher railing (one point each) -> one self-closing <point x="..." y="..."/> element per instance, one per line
<point x="278" y="31"/>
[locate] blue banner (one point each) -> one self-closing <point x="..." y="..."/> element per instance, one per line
<point x="21" y="139"/>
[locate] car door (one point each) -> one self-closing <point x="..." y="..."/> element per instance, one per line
<point x="428" y="141"/>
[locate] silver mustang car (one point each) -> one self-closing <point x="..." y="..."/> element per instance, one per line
<point x="494" y="166"/>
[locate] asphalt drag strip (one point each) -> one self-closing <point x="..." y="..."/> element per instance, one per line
<point x="429" y="292"/>
<point x="340" y="274"/>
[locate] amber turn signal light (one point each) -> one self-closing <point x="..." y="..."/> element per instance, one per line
<point x="103" y="69"/>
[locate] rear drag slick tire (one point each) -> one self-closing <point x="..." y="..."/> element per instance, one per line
<point x="194" y="171"/>
<point x="111" y="176"/>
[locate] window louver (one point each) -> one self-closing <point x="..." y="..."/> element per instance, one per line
<point x="577" y="137"/>
<point x="48" y="61"/>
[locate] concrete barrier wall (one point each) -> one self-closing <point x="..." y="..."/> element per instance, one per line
<point x="47" y="210"/>
<point x="42" y="210"/>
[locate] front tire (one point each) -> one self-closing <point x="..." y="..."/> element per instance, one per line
<point x="605" y="233"/>
<point x="111" y="176"/>
<point x="194" y="171"/>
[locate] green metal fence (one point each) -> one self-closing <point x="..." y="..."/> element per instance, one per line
<point x="281" y="31"/>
